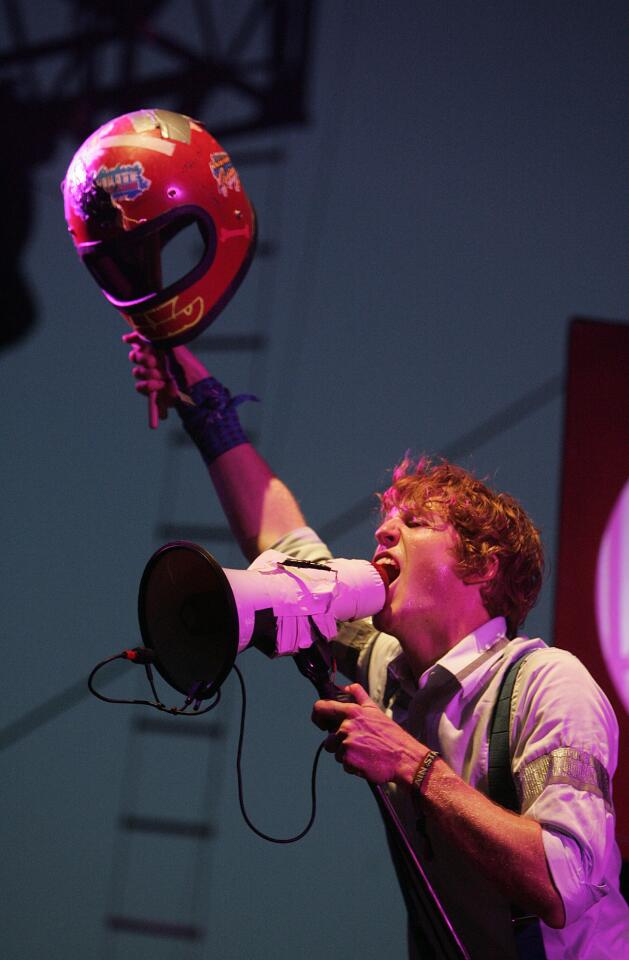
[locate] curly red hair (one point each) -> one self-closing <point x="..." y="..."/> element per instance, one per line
<point x="489" y="525"/>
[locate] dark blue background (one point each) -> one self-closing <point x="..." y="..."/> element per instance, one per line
<point x="461" y="192"/>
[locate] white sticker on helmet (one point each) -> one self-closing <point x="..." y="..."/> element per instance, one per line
<point x="137" y="140"/>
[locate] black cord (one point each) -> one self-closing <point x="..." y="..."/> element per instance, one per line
<point x="184" y="712"/>
<point x="156" y="704"/>
<point x="196" y="712"/>
<point x="313" y="778"/>
<point x="149" y="677"/>
<point x="101" y="696"/>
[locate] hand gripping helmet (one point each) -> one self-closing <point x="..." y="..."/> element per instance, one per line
<point x="130" y="190"/>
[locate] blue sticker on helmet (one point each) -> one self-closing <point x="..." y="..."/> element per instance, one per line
<point x="224" y="172"/>
<point x="125" y="181"/>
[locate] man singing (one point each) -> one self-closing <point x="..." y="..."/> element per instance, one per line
<point x="516" y="832"/>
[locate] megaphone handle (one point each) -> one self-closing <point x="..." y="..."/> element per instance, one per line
<point x="311" y="664"/>
<point x="330" y="691"/>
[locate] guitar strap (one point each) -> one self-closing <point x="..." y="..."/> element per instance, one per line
<point x="527" y="932"/>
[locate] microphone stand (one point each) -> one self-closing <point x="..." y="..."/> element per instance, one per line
<point x="435" y="923"/>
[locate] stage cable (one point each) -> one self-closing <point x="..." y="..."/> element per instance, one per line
<point x="145" y="657"/>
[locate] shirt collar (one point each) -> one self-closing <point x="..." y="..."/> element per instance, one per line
<point x="459" y="664"/>
<point x="470" y="655"/>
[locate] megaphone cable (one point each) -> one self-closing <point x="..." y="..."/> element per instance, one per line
<point x="145" y="656"/>
<point x="241" y="801"/>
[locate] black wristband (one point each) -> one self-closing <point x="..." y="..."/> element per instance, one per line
<point x="424" y="768"/>
<point x="211" y="420"/>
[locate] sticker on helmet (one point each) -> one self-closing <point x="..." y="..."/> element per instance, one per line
<point x="168" y="319"/>
<point x="125" y="181"/>
<point x="139" y="140"/>
<point x="173" y="126"/>
<point x="224" y="172"/>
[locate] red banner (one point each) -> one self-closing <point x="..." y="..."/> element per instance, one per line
<point x="592" y="598"/>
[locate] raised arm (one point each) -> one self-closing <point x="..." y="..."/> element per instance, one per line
<point x="259" y="507"/>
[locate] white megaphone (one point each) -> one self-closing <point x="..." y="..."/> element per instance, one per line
<point x="197" y="617"/>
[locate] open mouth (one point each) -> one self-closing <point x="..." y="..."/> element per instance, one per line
<point x="388" y="567"/>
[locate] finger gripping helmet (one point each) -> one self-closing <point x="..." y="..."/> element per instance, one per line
<point x="130" y="192"/>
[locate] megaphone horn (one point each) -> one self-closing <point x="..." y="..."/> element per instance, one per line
<point x="197" y="617"/>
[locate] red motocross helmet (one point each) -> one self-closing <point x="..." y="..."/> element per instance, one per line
<point x="135" y="185"/>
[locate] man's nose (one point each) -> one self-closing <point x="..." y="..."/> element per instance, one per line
<point x="388" y="533"/>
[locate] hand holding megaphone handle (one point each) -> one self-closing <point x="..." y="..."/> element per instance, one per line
<point x="312" y="665"/>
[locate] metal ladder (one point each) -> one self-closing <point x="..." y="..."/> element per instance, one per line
<point x="173" y="769"/>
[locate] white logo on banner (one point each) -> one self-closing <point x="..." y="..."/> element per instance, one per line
<point x="612" y="595"/>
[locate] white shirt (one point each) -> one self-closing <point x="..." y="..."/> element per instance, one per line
<point x="563" y="746"/>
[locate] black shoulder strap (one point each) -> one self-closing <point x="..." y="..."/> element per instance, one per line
<point x="501" y="787"/>
<point x="529" y="942"/>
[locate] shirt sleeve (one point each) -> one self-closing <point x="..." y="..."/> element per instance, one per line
<point x="565" y="738"/>
<point x="351" y="645"/>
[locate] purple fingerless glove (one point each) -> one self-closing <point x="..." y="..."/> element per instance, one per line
<point x="212" y="419"/>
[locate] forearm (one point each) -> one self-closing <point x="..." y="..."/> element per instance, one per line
<point x="506" y="847"/>
<point x="259" y="507"/>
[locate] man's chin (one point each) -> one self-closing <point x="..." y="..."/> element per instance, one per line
<point x="386" y="622"/>
<point x="382" y="621"/>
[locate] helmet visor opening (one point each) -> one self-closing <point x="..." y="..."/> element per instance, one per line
<point x="146" y="262"/>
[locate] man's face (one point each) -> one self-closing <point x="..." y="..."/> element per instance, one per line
<point x="426" y="601"/>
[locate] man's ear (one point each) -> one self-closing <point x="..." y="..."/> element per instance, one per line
<point x="488" y="572"/>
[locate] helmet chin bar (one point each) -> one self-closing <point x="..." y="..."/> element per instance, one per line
<point x="132" y="271"/>
<point x="197" y="617"/>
